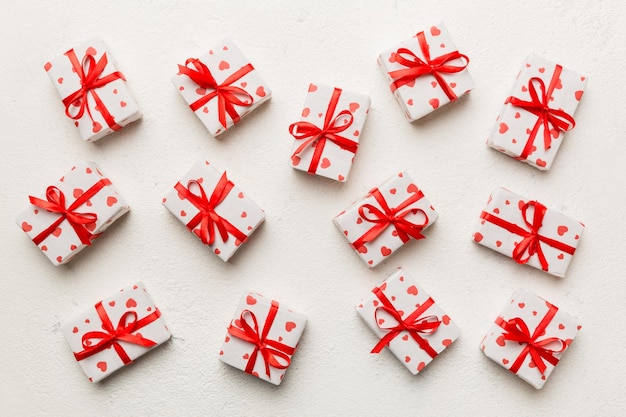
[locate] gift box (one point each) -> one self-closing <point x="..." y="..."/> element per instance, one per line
<point x="93" y="91"/>
<point x="75" y="210"/>
<point x="528" y="232"/>
<point x="426" y="72"/>
<point x="214" y="209"/>
<point x="407" y="321"/>
<point x="327" y="135"/>
<point x="262" y="338"/>
<point x="386" y="218"/>
<point x="529" y="337"/>
<point x="538" y="111"/>
<point x="115" y="332"/>
<point x="221" y="86"/>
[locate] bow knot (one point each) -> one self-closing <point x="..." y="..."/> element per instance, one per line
<point x="228" y="95"/>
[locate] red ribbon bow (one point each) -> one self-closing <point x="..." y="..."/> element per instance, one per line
<point x="530" y="244"/>
<point x="207" y="217"/>
<point x="546" y="116"/>
<point x="387" y="216"/>
<point x="417" y="67"/>
<point x="228" y="96"/>
<point x="55" y="203"/>
<point x="316" y="137"/>
<point x="275" y="354"/>
<point x="516" y="330"/>
<point x="111" y="336"/>
<point x="414" y="323"/>
<point x="90" y="73"/>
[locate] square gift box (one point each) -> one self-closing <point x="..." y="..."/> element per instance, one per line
<point x="327" y="136"/>
<point x="214" y="209"/>
<point x="116" y="331"/>
<point x="529" y="337"/>
<point x="75" y="210"/>
<point x="426" y="72"/>
<point x="386" y="218"/>
<point x="528" y="232"/>
<point x="221" y="86"/>
<point x="93" y="91"/>
<point x="262" y="337"/>
<point x="407" y="321"/>
<point x="538" y="111"/>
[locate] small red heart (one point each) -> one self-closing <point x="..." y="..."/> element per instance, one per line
<point x="312" y="88"/>
<point x="578" y="94"/>
<point x="561" y="256"/>
<point x="72" y="247"/>
<point x="433" y="84"/>
<point x="44" y="248"/>
<point x="405" y="337"/>
<point x="421" y="366"/>
<point x="295" y="160"/>
<point x="434" y="30"/>
<point x="354" y="107"/>
<point x="498" y="243"/>
<point x="115" y="91"/>
<point x="410" y="102"/>
<point x="250" y="300"/>
<point x="385" y="251"/>
<point x="26" y="227"/>
<point x="393" y="191"/>
<point x="503" y="128"/>
<point x="561" y="230"/>
<point x="561" y="326"/>
<point x="496" y="210"/>
<point x="542" y="70"/>
<point x="290" y="325"/>
<point x="359" y="220"/>
<point x="446" y="342"/>
<point x="412" y="290"/>
<point x="60" y="80"/>
<point x="102" y="366"/>
<point x="412" y="188"/>
<point x="111" y="200"/>
<point x="541" y="163"/>
<point x="392" y="57"/>
<point x="131" y="303"/>
<point x="183" y="213"/>
<point x="445" y="319"/>
<point x="244" y="214"/>
<point x="341" y="177"/>
<point x="246" y="356"/>
<point x="59" y="259"/>
<point x="505" y="361"/>
<point x="478" y="237"/>
<point x="260" y="91"/>
<point x="217" y="251"/>
<point x="407" y="359"/>
<point x="47" y="66"/>
<point x="122" y="104"/>
<point x="500" y="340"/>
<point x="223" y="65"/>
<point x="96" y="127"/>
<point x="362" y="249"/>
<point x="521" y="305"/>
<point x="434" y="102"/>
<point x="57" y="232"/>
<point x="112" y="303"/>
<point x="325" y="163"/>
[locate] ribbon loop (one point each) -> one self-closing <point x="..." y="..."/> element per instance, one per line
<point x="416" y="67"/>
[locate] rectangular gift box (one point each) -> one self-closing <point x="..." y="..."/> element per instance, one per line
<point x="92" y="205"/>
<point x="529" y="337"/>
<point x="327" y="135"/>
<point x="241" y="88"/>
<point x="418" y="89"/>
<point x="116" y="331"/>
<point x="522" y="130"/>
<point x="105" y="104"/>
<point x="214" y="209"/>
<point x="528" y="232"/>
<point x="364" y="223"/>
<point x="407" y="321"/>
<point x="262" y="337"/>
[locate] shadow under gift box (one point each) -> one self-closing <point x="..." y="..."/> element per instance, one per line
<point x="73" y="212"/>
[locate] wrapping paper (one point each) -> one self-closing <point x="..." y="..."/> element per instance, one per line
<point x="408" y="321"/>
<point x="521" y="130"/>
<point x="230" y="216"/>
<point x="327" y="135"/>
<point x="275" y="328"/>
<point x="365" y="224"/>
<point x="91" y="202"/>
<point x="418" y="89"/>
<point x="106" y="104"/>
<point x="529" y="337"/>
<point x="115" y="332"/>
<point x="528" y="232"/>
<point x="241" y="89"/>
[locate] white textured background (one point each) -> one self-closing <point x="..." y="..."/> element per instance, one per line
<point x="298" y="256"/>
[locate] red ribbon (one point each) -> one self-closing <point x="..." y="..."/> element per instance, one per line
<point x="546" y="116"/>
<point x="207" y="217"/>
<point x="89" y="72"/>
<point x="414" y="323"/>
<point x="228" y="96"/>
<point x="417" y="67"/>
<point x="316" y="137"/>
<point x="387" y="216"/>
<point x="516" y="330"/>
<point x="275" y="354"/>
<point x="55" y="203"/>
<point x="111" y="336"/>
<point x="531" y="239"/>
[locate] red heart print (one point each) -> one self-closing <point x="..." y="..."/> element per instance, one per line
<point x="306" y="112"/>
<point x="561" y="256"/>
<point x="541" y="163"/>
<point x="496" y="210"/>
<point x="295" y="160"/>
<point x="312" y="88"/>
<point x="75" y="329"/>
<point x="60" y="80"/>
<point x="26" y="227"/>
<point x="542" y="70"/>
<point x="412" y="188"/>
<point x="392" y="57"/>
<point x="434" y="30"/>
<point x="498" y="243"/>
<point x="412" y="290"/>
<point x="183" y="213"/>
<point x="561" y="230"/>
<point x="561" y="326"/>
<point x="77" y="192"/>
<point x="405" y="337"/>
<point x="217" y="251"/>
<point x="59" y="259"/>
<point x="246" y="356"/>
<point x="260" y="91"/>
<point x="410" y="84"/>
<point x="250" y="300"/>
<point x="446" y="342"/>
<point x="381" y="322"/>
<point x="244" y="214"/>
<point x="505" y="361"/>
<point x="325" y="163"/>
<point x="72" y="247"/>
<point x="111" y="200"/>
<point x="524" y="89"/>
<point x="57" y="232"/>
<point x="96" y="127"/>
<point x="44" y="248"/>
<point x="341" y="178"/>
<point x="354" y="107"/>
<point x="478" y="237"/>
<point x="385" y="251"/>
<point x="433" y="84"/>
<point x="102" y="366"/>
<point x="359" y="220"/>
<point x="503" y="128"/>
<point x="434" y="102"/>
<point x="130" y="303"/>
<point x="91" y="51"/>
<point x="290" y="325"/>
<point x="445" y="319"/>
<point x="410" y="102"/>
<point x="115" y="91"/>
<point x="90" y="226"/>
<point x="393" y="191"/>
<point x="223" y="65"/>
<point x="500" y="340"/>
<point x="578" y="94"/>
<point x="521" y="305"/>
<point x="421" y="366"/>
<point x="47" y="66"/>
<point x="407" y="359"/>
<point x="200" y="91"/>
<point x="362" y="249"/>
<point x="122" y="104"/>
<point x="112" y="303"/>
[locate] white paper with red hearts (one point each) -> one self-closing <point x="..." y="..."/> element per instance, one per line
<point x="395" y="191"/>
<point x="115" y="95"/>
<point x="513" y="125"/>
<point x="507" y="205"/>
<point x="335" y="162"/>
<point x="132" y="298"/>
<point x="63" y="243"/>
<point x="237" y="208"/>
<point x="532" y="309"/>
<point x="406" y="295"/>
<point x="223" y="60"/>
<point x="287" y="328"/>
<point x="426" y="95"/>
